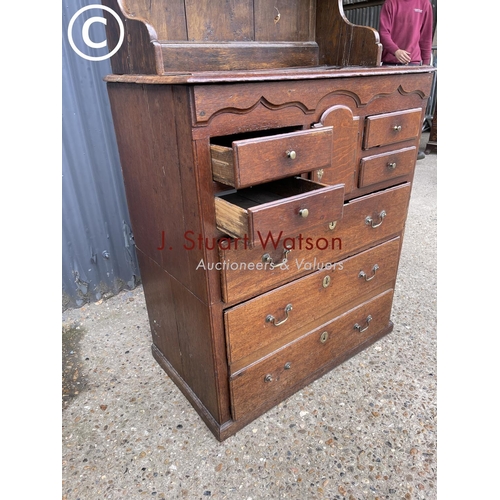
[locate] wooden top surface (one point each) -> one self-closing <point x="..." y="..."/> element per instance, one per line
<point x="318" y="72"/>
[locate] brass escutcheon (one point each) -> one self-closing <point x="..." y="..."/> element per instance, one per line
<point x="323" y="337"/>
<point x="332" y="225"/>
<point x="326" y="281"/>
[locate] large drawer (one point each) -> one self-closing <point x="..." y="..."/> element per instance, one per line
<point x="268" y="320"/>
<point x="267" y="381"/>
<point x="254" y="161"/>
<point x="286" y="207"/>
<point x="386" y="166"/>
<point x="251" y="271"/>
<point x="390" y="128"/>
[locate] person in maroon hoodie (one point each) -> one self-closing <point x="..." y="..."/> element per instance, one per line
<point x="406" y="32"/>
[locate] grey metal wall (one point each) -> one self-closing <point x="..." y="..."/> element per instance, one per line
<point x="98" y="255"/>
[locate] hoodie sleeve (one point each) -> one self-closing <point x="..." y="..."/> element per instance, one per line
<point x="426" y="36"/>
<point x="385" y="29"/>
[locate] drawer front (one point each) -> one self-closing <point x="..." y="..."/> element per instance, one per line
<point x="285" y="207"/>
<point x="265" y="381"/>
<point x="391" y="128"/>
<point x="246" y="272"/>
<point x="256" y="161"/>
<point x="289" y="311"/>
<point x="382" y="167"/>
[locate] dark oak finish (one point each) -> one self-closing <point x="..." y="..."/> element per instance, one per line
<point x="186" y="35"/>
<point x="314" y="248"/>
<point x="266" y="379"/>
<point x="324" y="293"/>
<point x="267" y="188"/>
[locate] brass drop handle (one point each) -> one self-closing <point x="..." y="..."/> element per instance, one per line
<point x="267" y="259"/>
<point x="304" y="212"/>
<point x="362" y="274"/>
<point x="271" y="319"/>
<point x="361" y="330"/>
<point x="369" y="220"/>
<point x="391" y="165"/>
<point x="291" y="154"/>
<point x="397" y="128"/>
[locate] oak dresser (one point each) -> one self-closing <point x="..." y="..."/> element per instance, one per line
<point x="268" y="161"/>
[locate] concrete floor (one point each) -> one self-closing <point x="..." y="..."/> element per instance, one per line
<point x="366" y="430"/>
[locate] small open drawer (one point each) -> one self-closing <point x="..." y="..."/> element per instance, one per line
<point x="246" y="162"/>
<point x="285" y="207"/>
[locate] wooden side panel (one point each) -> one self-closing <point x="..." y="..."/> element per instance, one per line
<point x="137" y="54"/>
<point x="160" y="303"/>
<point x="342" y="43"/>
<point x="167" y="18"/>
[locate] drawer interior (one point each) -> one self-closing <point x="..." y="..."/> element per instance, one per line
<point x="287" y="206"/>
<point x="270" y="192"/>
<point x="226" y="141"/>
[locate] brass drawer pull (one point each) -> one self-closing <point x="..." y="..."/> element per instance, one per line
<point x="361" y="330"/>
<point x="362" y="274"/>
<point x="391" y="165"/>
<point x="291" y="154"/>
<point x="267" y="259"/>
<point x="369" y="220"/>
<point x="271" y="319"/>
<point x="304" y="212"/>
<point x="397" y="128"/>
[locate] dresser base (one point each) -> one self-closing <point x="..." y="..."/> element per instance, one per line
<point x="227" y="429"/>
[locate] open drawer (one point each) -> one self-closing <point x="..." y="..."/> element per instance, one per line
<point x="246" y="162"/>
<point x="285" y="207"/>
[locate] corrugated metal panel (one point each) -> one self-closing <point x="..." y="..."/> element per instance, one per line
<point x="98" y="249"/>
<point x="365" y="16"/>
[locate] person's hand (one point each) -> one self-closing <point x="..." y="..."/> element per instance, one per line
<point x="402" y="56"/>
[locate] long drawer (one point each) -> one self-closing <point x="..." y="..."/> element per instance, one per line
<point x="266" y="381"/>
<point x="289" y="311"/>
<point x="247" y="272"/>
